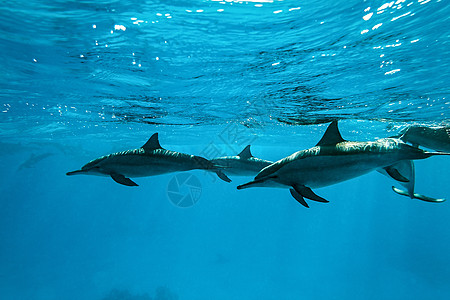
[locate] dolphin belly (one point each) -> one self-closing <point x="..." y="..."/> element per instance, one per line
<point x="321" y="171"/>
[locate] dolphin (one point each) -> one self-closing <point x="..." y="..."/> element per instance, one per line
<point x="436" y="138"/>
<point x="243" y="164"/>
<point x="149" y="160"/>
<point x="407" y="170"/>
<point x="33" y="160"/>
<point x="334" y="160"/>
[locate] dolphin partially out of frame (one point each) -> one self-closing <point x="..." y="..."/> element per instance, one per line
<point x="436" y="138"/>
<point x="243" y="164"/>
<point x="149" y="160"/>
<point x="334" y="160"/>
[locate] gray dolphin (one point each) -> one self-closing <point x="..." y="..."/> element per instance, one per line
<point x="436" y="138"/>
<point x="243" y="164"/>
<point x="33" y="160"/>
<point x="334" y="160"/>
<point x="149" y="160"/>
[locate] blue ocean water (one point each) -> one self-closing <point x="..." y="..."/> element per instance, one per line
<point x="81" y="79"/>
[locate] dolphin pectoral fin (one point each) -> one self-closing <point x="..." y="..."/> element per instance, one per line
<point x="418" y="196"/>
<point x="119" y="178"/>
<point x="204" y="164"/>
<point x="223" y="176"/>
<point x="309" y="194"/>
<point x="297" y="196"/>
<point x="395" y="174"/>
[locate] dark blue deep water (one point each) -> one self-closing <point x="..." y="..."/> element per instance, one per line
<point x="80" y="79"/>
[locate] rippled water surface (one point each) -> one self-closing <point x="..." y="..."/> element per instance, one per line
<point x="72" y="64"/>
<point x="80" y="79"/>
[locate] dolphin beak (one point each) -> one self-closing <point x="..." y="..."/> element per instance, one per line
<point x="262" y="182"/>
<point x="76" y="172"/>
<point x="243" y="186"/>
<point x="249" y="184"/>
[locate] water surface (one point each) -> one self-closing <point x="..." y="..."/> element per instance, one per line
<point x="81" y="79"/>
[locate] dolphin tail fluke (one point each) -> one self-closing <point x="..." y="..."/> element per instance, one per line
<point x="119" y="178"/>
<point x="417" y="196"/>
<point x="403" y="172"/>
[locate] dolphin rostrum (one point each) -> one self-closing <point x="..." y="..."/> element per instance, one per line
<point x="151" y="159"/>
<point x="243" y="164"/>
<point x="334" y="160"/>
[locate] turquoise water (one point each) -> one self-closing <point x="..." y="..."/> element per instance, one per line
<point x="81" y="79"/>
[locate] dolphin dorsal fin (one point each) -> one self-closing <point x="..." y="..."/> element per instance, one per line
<point x="332" y="136"/>
<point x="245" y="154"/>
<point x="152" y="143"/>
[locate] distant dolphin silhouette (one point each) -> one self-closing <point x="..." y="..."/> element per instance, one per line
<point x="334" y="160"/>
<point x="436" y="138"/>
<point x="149" y="160"/>
<point x="243" y="164"/>
<point x="33" y="160"/>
